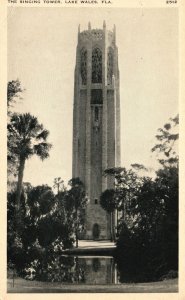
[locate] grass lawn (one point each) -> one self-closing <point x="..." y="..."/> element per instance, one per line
<point x="26" y="286"/>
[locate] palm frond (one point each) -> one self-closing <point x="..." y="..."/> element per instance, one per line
<point x="42" y="150"/>
<point x="42" y="135"/>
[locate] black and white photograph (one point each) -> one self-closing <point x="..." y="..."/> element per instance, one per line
<point x="92" y="149"/>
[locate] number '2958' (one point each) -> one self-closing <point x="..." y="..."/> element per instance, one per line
<point x="171" y="1"/>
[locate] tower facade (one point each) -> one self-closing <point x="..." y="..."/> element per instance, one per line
<point x="96" y="122"/>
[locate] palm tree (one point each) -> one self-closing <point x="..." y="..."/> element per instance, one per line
<point x="58" y="183"/>
<point x="26" y="137"/>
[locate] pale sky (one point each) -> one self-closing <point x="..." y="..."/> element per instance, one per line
<point x="41" y="53"/>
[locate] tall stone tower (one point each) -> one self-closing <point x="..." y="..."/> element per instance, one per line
<point x="96" y="121"/>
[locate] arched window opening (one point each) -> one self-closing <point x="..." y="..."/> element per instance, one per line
<point x="95" y="201"/>
<point x="110" y="64"/>
<point x="83" y="65"/>
<point x="96" y="66"/>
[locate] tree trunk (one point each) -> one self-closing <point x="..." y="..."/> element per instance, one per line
<point x="111" y="229"/>
<point x="117" y="223"/>
<point x="113" y="225"/>
<point x="19" y="184"/>
<point x="76" y="239"/>
<point x="76" y="233"/>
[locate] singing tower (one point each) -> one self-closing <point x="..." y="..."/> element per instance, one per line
<point x="96" y="121"/>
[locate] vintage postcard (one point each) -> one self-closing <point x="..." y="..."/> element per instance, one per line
<point x="91" y="149"/>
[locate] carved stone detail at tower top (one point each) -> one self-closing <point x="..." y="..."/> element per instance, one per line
<point x="95" y="34"/>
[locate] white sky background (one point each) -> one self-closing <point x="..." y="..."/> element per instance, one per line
<point x="42" y="51"/>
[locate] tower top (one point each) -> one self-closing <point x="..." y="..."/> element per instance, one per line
<point x="97" y="34"/>
<point x="104" y="27"/>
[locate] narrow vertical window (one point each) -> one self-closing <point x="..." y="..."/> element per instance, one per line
<point x="95" y="201"/>
<point x="83" y="65"/>
<point x="96" y="114"/>
<point x="96" y="66"/>
<point x="110" y="63"/>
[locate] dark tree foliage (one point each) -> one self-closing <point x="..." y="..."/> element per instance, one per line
<point x="127" y="184"/>
<point x="40" y="200"/>
<point x="138" y="167"/>
<point x="14" y="91"/>
<point x="15" y="250"/>
<point x="45" y="229"/>
<point x="107" y="200"/>
<point x="50" y="222"/>
<point x="75" y="202"/>
<point x="147" y="247"/>
<point x="167" y="146"/>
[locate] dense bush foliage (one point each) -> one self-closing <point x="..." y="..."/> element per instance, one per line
<point x="48" y="225"/>
<point x="148" y="249"/>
